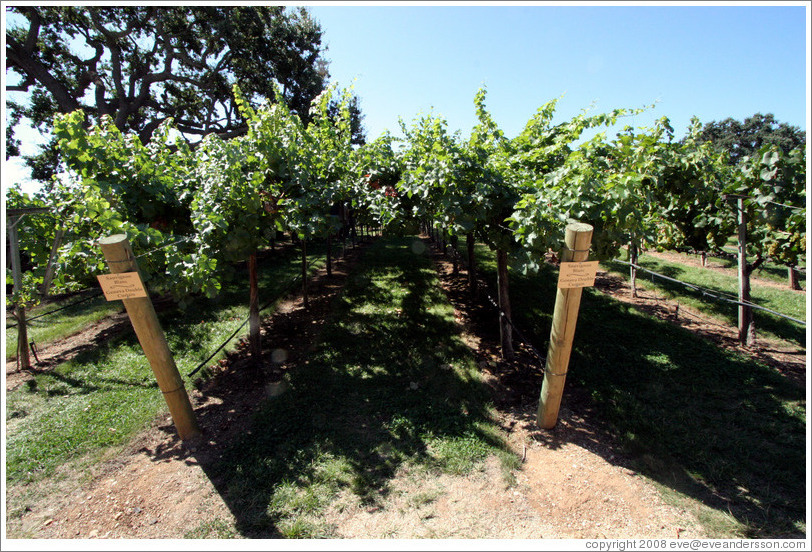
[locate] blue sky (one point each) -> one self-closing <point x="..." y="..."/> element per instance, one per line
<point x="712" y="62"/>
<point x="709" y="61"/>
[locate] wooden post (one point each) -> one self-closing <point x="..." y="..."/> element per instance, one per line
<point x="565" y="315"/>
<point x="746" y="330"/>
<point x="793" y="278"/>
<point x="119" y="256"/>
<point x="329" y="256"/>
<point x="454" y="254"/>
<point x="633" y="256"/>
<point x="23" y="360"/>
<point x="253" y="309"/>
<point x="49" y="269"/>
<point x="304" y="273"/>
<point x="469" y="241"/>
<point x="505" y="316"/>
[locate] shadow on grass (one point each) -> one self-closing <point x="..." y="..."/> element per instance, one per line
<point x="390" y="385"/>
<point x="713" y="425"/>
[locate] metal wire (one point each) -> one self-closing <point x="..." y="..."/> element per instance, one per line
<point x="542" y="359"/>
<point x="708" y="293"/>
<point x="151" y="251"/>
<point x="291" y="283"/>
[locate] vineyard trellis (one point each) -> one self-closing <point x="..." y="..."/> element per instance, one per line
<point x="220" y="201"/>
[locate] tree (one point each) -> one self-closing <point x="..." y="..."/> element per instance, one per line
<point x="743" y="139"/>
<point x="141" y="65"/>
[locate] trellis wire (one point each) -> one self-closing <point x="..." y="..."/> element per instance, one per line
<point x="88" y="298"/>
<point x="542" y="359"/>
<point x="291" y="284"/>
<point x="708" y="293"/>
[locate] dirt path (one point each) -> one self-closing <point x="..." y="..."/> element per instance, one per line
<point x="571" y="483"/>
<point x="62" y="351"/>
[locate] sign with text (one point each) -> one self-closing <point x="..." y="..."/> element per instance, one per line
<point x="575" y="275"/>
<point x="124" y="285"/>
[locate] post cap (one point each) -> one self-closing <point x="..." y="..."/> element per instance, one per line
<point x="115" y="238"/>
<point x="579" y="227"/>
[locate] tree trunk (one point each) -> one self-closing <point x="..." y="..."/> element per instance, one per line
<point x="304" y="274"/>
<point x="23" y="360"/>
<point x="50" y="267"/>
<point x="454" y="242"/>
<point x="329" y="256"/>
<point x="747" y="334"/>
<point x="632" y="270"/>
<point x="505" y="330"/>
<point x="793" y="278"/>
<point x="253" y="309"/>
<point x="703" y="255"/>
<point x="469" y="239"/>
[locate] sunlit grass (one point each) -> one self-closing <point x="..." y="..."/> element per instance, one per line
<point x="105" y="395"/>
<point x="390" y="387"/>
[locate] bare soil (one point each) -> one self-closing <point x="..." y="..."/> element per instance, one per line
<point x="571" y="484"/>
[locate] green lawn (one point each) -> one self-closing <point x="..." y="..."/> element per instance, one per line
<point x="80" y="313"/>
<point x="785" y="301"/>
<point x="104" y="396"/>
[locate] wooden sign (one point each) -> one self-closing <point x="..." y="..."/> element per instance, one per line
<point x="575" y="275"/>
<point x="124" y="285"/>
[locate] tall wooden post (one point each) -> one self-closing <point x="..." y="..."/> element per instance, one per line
<point x="567" y="302"/>
<point x="254" y="341"/>
<point x="455" y="253"/>
<point x="632" y="266"/>
<point x="792" y="274"/>
<point x="469" y="242"/>
<point x="120" y="258"/>
<point x="23" y="360"/>
<point x="746" y="330"/>
<point x="329" y="256"/>
<point x="505" y="315"/>
<point x="304" y="273"/>
<point x="50" y="267"/>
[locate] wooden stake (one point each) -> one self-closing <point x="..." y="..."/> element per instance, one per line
<point x="304" y="273"/>
<point x="253" y="309"/>
<point x="747" y="334"/>
<point x="565" y="315"/>
<point x="23" y="360"/>
<point x="120" y="258"/>
<point x="505" y="330"/>
<point x="50" y="267"/>
<point x="469" y="241"/>
<point x="454" y="253"/>
<point x="329" y="256"/>
<point x="632" y="268"/>
<point x="793" y="278"/>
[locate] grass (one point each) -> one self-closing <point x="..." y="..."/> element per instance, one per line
<point x="104" y="396"/>
<point x="59" y="325"/>
<point x="390" y="387"/>
<point x="785" y="301"/>
<point x="767" y="271"/>
<point x="718" y="429"/>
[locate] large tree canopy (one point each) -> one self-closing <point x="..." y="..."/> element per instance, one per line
<point x="744" y="138"/>
<point x="144" y="64"/>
